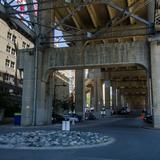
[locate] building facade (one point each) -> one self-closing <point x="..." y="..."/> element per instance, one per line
<point x="11" y="79"/>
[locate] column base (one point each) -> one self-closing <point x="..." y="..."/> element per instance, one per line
<point x="26" y="121"/>
<point x="156" y="117"/>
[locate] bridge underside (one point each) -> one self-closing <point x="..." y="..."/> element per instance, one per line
<point x="124" y="65"/>
<point x="117" y="41"/>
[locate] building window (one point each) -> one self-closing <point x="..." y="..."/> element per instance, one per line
<point x="9" y="35"/>
<point x="28" y="45"/>
<point x="13" y="51"/>
<point x="14" y="38"/>
<point x="7" y="63"/>
<point x="8" y="48"/>
<point x="12" y="64"/>
<point x="7" y="77"/>
<point x="24" y="44"/>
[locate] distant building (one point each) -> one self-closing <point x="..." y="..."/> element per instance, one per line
<point x="10" y="78"/>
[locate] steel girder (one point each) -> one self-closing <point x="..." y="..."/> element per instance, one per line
<point x="16" y="23"/>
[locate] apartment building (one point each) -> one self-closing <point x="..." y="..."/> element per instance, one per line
<point x="10" y="77"/>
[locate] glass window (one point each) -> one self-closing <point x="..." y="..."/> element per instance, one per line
<point x="9" y="35"/>
<point x="24" y="44"/>
<point x="28" y="45"/>
<point x="7" y="77"/>
<point x="8" y="48"/>
<point x="13" y="52"/>
<point x="7" y="62"/>
<point x="14" y="38"/>
<point x="12" y="64"/>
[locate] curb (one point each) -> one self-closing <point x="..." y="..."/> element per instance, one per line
<point x="111" y="140"/>
<point x="151" y="128"/>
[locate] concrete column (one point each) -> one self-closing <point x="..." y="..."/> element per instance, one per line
<point x="129" y="100"/>
<point x="107" y="93"/>
<point x="99" y="92"/>
<point x="119" y="104"/>
<point x="113" y="95"/>
<point x="99" y="95"/>
<point x="155" y="68"/>
<point x="92" y="96"/>
<point x="46" y="19"/>
<point x="122" y="101"/>
<point x="28" y="90"/>
<point x="125" y="101"/>
<point x="79" y="91"/>
<point x="49" y="99"/>
<point x="149" y="88"/>
<point x="40" y="109"/>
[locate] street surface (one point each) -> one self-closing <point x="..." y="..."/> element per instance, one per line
<point x="134" y="141"/>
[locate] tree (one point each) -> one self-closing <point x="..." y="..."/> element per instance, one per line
<point x="8" y="105"/>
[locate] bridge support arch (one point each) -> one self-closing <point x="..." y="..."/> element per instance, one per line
<point x="69" y="58"/>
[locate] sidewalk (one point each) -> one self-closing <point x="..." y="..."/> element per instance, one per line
<point x="85" y="124"/>
<point x="58" y="126"/>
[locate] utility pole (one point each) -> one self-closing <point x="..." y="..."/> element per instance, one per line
<point x="37" y="42"/>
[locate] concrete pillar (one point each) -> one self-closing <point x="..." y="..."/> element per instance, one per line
<point x="49" y="99"/>
<point x="92" y="96"/>
<point x="99" y="95"/>
<point x="46" y="19"/>
<point x="122" y="101"/>
<point x="113" y="95"/>
<point x="107" y="93"/>
<point x="129" y="101"/>
<point x="28" y="90"/>
<point x="79" y="91"/>
<point x="118" y="99"/>
<point x="44" y="101"/>
<point x="149" y="89"/>
<point x="125" y="101"/>
<point x="41" y="110"/>
<point x="155" y="68"/>
<point x="98" y="92"/>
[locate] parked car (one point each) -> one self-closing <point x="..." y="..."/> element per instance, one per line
<point x="57" y="118"/>
<point x="73" y="117"/>
<point x="124" y="111"/>
<point x="148" y="118"/>
<point x="90" y="116"/>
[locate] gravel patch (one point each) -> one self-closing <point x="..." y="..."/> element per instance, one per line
<point x="52" y="139"/>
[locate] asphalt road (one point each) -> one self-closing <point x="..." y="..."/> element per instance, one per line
<point x="133" y="142"/>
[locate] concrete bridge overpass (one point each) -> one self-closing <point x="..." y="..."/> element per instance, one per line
<point x="100" y="33"/>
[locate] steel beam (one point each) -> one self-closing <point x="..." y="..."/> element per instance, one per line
<point x="118" y="8"/>
<point x="118" y="19"/>
<point x="112" y="33"/>
<point x="16" y="23"/>
<point x="32" y="16"/>
<point x="126" y="12"/>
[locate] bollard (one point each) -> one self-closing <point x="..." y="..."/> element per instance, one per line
<point x="65" y="125"/>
